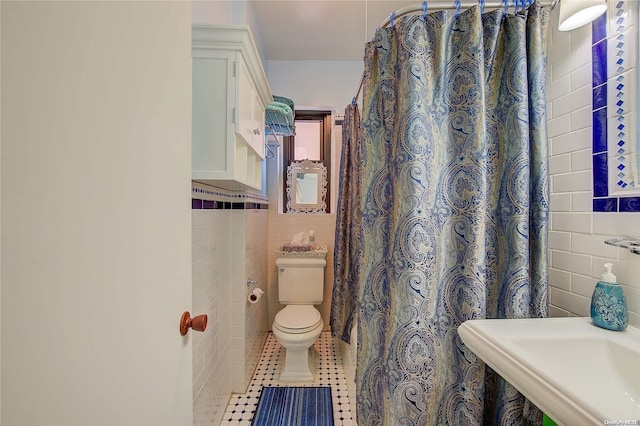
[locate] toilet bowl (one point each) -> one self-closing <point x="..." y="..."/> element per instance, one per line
<point x="297" y="327"/>
<point x="298" y="324"/>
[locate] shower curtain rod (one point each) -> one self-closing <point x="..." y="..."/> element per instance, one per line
<point x="441" y="5"/>
<point x="449" y="4"/>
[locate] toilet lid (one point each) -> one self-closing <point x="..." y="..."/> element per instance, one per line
<point x="298" y="318"/>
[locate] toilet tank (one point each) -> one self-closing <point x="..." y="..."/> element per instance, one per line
<point x="300" y="280"/>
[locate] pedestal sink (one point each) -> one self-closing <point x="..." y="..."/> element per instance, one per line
<point x="577" y="373"/>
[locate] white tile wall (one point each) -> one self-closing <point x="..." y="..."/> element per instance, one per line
<point x="582" y="201"/>
<point x="228" y="246"/>
<point x="579" y="78"/>
<point x="582" y="160"/>
<point x="559" y="163"/>
<point x="561" y="202"/>
<point x="256" y="327"/>
<point x="211" y="260"/>
<point x="571" y="222"/>
<point x="576" y="241"/>
<point x="574" y="141"/>
<point x="249" y="321"/>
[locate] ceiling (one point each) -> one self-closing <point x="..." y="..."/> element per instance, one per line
<point x="316" y="30"/>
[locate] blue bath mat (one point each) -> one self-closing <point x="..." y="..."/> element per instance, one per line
<point x="294" y="406"/>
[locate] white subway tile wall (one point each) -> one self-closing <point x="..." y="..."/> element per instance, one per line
<point x="228" y="246"/>
<point x="211" y="296"/>
<point x="256" y="266"/>
<point x="576" y="240"/>
<point x="249" y="321"/>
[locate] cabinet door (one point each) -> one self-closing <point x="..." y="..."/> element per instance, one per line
<point x="250" y="120"/>
<point x="245" y="126"/>
<point x="258" y="119"/>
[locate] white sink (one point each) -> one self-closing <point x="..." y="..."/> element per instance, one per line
<point x="575" y="372"/>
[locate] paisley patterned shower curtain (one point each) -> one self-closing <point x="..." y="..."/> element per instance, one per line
<point x="454" y="212"/>
<point x="346" y="254"/>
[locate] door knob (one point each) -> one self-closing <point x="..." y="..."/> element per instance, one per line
<point x="198" y="323"/>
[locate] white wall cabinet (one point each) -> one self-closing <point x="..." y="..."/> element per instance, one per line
<point x="230" y="94"/>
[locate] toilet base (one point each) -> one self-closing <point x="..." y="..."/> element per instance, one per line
<point x="299" y="365"/>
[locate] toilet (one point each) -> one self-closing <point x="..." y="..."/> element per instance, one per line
<point x="298" y="324"/>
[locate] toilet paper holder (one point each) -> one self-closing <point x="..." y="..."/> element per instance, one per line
<point x="255" y="294"/>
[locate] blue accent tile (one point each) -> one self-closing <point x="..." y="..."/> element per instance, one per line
<point x="600" y="96"/>
<point x="600" y="125"/>
<point x="600" y="186"/>
<point x="599" y="130"/>
<point x="197" y="203"/>
<point x="599" y="63"/>
<point x="599" y="29"/>
<point x="630" y="204"/>
<point x="257" y="206"/>
<point x="605" y="204"/>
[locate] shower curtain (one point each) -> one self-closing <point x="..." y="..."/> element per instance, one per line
<point x="348" y="226"/>
<point x="454" y="213"/>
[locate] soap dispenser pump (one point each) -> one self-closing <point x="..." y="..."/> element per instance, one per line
<point x="608" y="304"/>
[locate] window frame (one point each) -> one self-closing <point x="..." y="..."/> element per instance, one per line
<point x="325" y="150"/>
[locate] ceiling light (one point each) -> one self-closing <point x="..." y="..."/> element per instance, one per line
<point x="576" y="13"/>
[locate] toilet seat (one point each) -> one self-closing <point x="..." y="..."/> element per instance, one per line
<point x="297" y="319"/>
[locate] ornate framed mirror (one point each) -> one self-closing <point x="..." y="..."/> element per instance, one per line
<point x="306" y="187"/>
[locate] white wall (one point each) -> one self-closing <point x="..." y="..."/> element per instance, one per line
<point x="212" y="12"/>
<point x="319" y="83"/>
<point x="576" y="241"/>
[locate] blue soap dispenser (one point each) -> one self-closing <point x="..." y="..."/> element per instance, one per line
<point x="608" y="304"/>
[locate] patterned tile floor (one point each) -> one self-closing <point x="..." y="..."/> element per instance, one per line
<point x="330" y="373"/>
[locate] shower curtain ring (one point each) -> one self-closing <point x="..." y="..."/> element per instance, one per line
<point x="458" y="5"/>
<point x="424" y="9"/>
<point x="391" y="19"/>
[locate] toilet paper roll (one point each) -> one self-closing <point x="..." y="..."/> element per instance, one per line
<point x="255" y="295"/>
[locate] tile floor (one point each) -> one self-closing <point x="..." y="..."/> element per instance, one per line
<point x="330" y="373"/>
